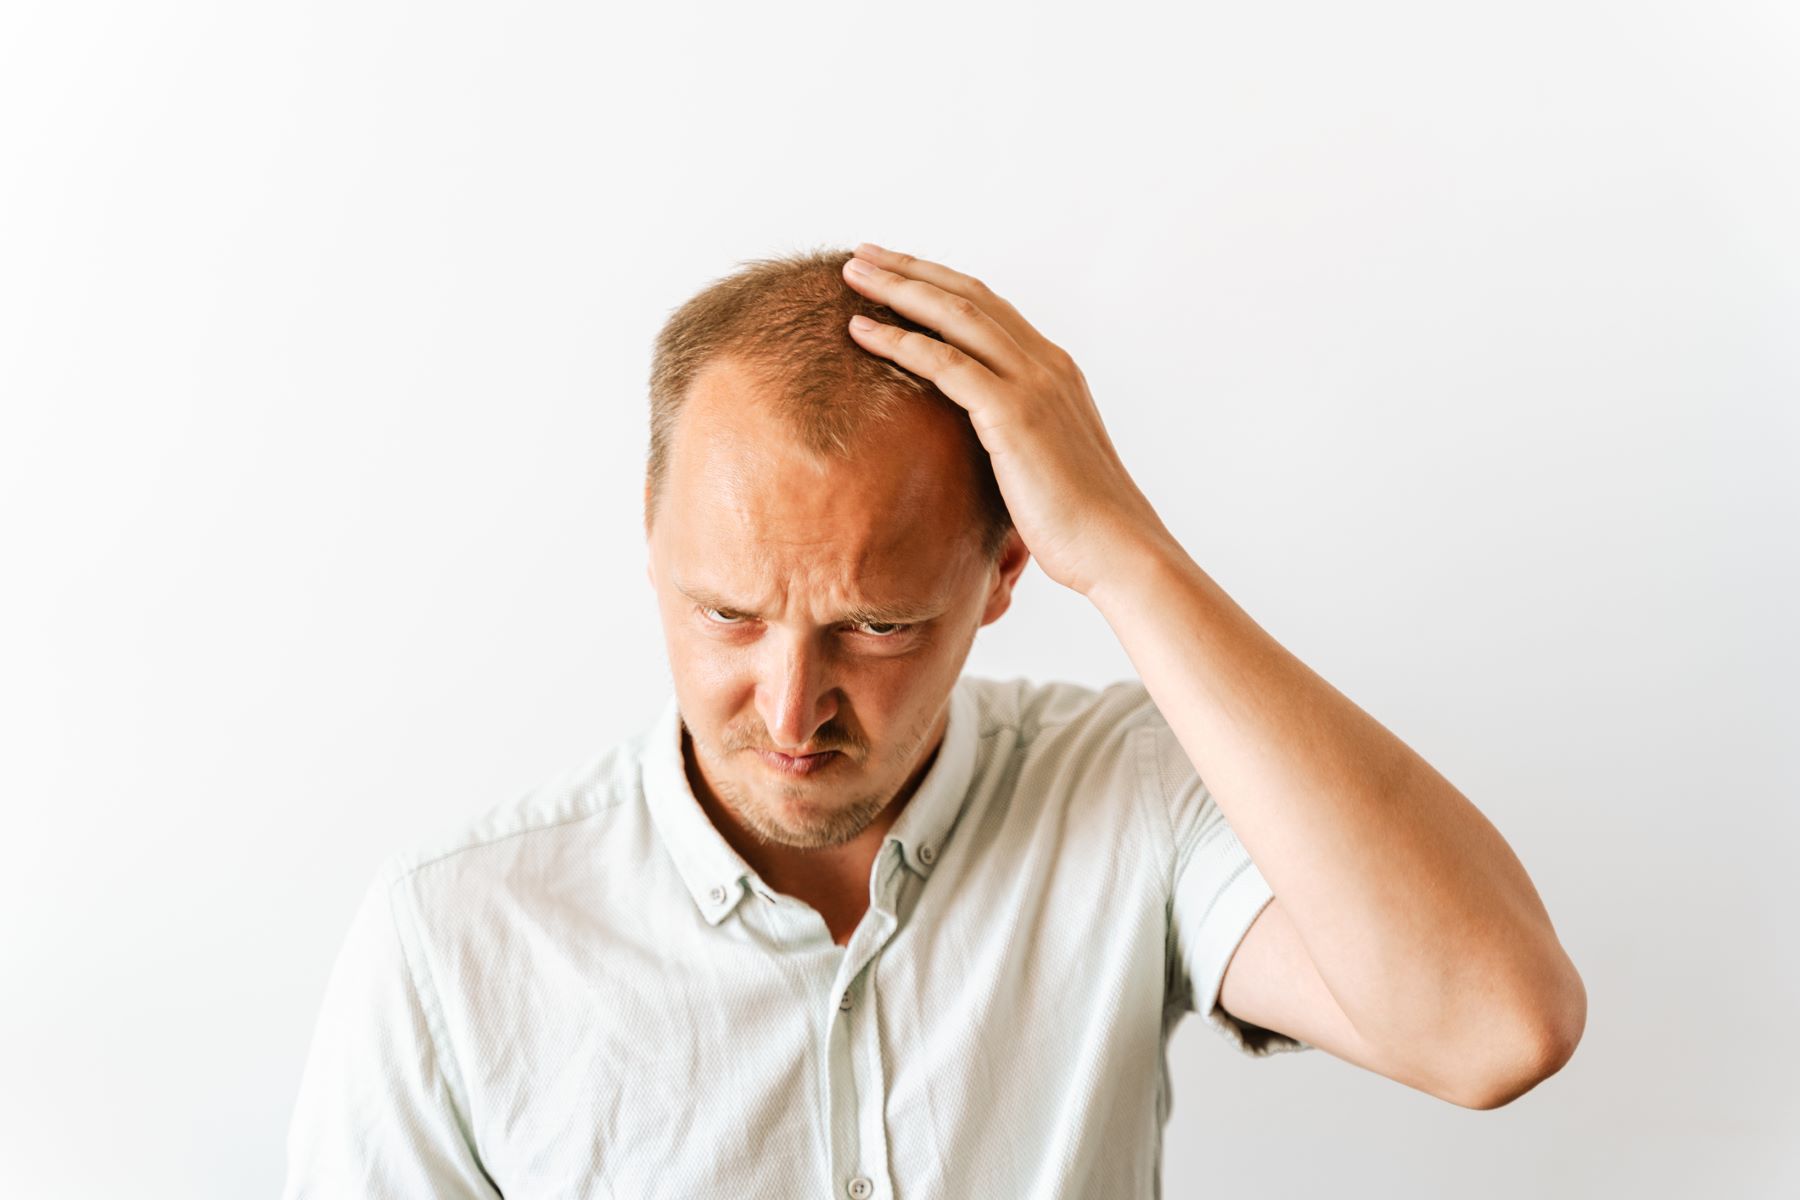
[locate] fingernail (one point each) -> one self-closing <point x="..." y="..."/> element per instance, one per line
<point x="859" y="267"/>
<point x="861" y="323"/>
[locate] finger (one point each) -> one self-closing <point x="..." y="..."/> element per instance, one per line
<point x="959" y="319"/>
<point x="957" y="375"/>
<point x="957" y="283"/>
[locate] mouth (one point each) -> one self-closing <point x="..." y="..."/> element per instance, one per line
<point x="803" y="764"/>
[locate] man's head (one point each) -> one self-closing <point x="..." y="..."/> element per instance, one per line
<point x="825" y="539"/>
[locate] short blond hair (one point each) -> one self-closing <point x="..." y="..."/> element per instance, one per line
<point x="785" y="320"/>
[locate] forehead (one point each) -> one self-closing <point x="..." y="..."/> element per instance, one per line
<point x="747" y="507"/>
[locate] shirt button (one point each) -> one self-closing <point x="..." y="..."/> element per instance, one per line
<point x="717" y="895"/>
<point x="845" y="1002"/>
<point x="927" y="855"/>
<point x="860" y="1189"/>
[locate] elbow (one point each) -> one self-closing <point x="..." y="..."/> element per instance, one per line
<point x="1548" y="1056"/>
<point x="1545" y="1047"/>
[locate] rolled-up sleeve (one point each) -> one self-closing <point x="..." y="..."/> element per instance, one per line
<point x="376" y="1114"/>
<point x="1216" y="894"/>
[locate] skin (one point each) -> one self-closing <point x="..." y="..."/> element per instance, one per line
<point x="760" y="555"/>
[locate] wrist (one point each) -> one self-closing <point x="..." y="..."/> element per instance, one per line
<point x="1137" y="566"/>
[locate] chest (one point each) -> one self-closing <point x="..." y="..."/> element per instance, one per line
<point x="988" y="1008"/>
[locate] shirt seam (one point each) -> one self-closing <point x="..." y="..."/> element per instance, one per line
<point x="411" y="865"/>
<point x="443" y="1061"/>
<point x="1151" y="795"/>
<point x="1176" y="992"/>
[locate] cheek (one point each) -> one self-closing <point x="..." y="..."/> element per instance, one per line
<point x="713" y="685"/>
<point x="710" y="684"/>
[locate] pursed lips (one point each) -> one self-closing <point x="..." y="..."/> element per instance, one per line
<point x="797" y="764"/>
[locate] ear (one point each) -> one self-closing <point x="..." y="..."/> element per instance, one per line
<point x="1005" y="572"/>
<point x="649" y="557"/>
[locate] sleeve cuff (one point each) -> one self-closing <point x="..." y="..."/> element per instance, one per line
<point x="1234" y="910"/>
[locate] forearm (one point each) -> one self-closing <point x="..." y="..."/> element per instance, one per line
<point x="1415" y="911"/>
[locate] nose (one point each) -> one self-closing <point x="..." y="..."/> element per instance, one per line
<point x="795" y="696"/>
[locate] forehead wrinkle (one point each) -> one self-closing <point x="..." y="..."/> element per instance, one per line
<point x="825" y="542"/>
<point x="860" y="572"/>
<point x="774" y="490"/>
<point x="858" y="613"/>
<point x="845" y="600"/>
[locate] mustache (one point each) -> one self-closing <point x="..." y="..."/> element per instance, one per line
<point x="827" y="737"/>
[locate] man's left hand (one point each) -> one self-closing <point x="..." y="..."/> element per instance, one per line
<point x="1073" y="503"/>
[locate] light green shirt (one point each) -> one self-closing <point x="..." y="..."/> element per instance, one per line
<point x="589" y="993"/>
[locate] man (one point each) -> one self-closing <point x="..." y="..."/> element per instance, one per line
<point x="844" y="923"/>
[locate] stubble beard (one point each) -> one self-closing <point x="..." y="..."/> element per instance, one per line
<point x="771" y="823"/>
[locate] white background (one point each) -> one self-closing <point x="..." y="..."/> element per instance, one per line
<point x="1460" y="343"/>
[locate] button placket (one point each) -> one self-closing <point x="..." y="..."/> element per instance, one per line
<point x="859" y="1091"/>
<point x="871" y="1083"/>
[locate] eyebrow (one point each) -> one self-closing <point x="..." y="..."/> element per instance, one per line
<point x="862" y="614"/>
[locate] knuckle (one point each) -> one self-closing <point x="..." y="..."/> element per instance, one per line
<point x="1044" y="380"/>
<point x="945" y="355"/>
<point x="963" y="308"/>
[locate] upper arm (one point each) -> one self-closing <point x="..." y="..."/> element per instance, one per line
<point x="1270" y="982"/>
<point x="1238" y="960"/>
<point x="375" y="1115"/>
<point x="1218" y="898"/>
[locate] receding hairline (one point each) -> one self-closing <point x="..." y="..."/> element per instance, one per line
<point x="783" y="322"/>
<point x="747" y="406"/>
<point x="739" y="384"/>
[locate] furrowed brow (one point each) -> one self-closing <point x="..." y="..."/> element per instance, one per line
<point x="862" y="614"/>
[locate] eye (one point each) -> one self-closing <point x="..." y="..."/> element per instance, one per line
<point x="719" y="616"/>
<point x="882" y="629"/>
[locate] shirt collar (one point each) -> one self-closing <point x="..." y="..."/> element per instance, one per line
<point x="714" y="873"/>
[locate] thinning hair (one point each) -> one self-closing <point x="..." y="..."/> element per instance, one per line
<point x="784" y="320"/>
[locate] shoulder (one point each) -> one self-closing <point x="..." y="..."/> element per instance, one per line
<point x="1058" y="714"/>
<point x="1061" y="737"/>
<point x="1068" y="773"/>
<point x="570" y="804"/>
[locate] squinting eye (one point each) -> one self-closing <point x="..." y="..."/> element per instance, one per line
<point x="881" y="629"/>
<point x="719" y="618"/>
